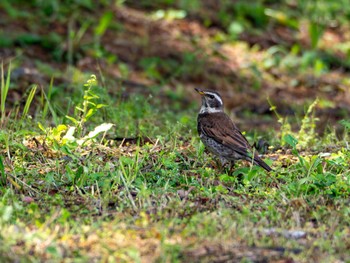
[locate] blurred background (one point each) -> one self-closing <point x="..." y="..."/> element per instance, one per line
<point x="257" y="54"/>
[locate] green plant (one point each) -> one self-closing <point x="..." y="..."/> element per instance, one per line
<point x="88" y="107"/>
<point x="2" y="172"/>
<point x="345" y="124"/>
<point x="101" y="28"/>
<point x="285" y="125"/>
<point x="307" y="133"/>
<point x="46" y="102"/>
<point x="4" y="90"/>
<point x="29" y="101"/>
<point x="62" y="135"/>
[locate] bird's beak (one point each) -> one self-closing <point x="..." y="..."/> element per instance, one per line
<point x="201" y="92"/>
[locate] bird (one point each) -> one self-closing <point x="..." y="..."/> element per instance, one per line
<point x="220" y="135"/>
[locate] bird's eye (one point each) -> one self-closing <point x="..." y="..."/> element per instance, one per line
<point x="211" y="96"/>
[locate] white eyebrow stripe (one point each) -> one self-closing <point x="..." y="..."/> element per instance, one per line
<point x="216" y="96"/>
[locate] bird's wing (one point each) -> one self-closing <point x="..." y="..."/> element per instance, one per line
<point x="221" y="129"/>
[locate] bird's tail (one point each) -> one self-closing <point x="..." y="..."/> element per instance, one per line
<point x="260" y="162"/>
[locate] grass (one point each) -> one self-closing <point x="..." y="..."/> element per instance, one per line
<point x="89" y="174"/>
<point x="163" y="200"/>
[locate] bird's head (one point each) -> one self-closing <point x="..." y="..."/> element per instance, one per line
<point x="211" y="101"/>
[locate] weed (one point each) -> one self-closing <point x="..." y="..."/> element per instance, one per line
<point x="4" y="90"/>
<point x="2" y="172"/>
<point x="307" y="133"/>
<point x="29" y="101"/>
<point x="89" y="106"/>
<point x="285" y="128"/>
<point x="306" y="136"/>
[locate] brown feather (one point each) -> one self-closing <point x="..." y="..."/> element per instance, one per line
<point x="220" y="128"/>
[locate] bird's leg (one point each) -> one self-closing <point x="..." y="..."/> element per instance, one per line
<point x="223" y="162"/>
<point x="232" y="167"/>
<point x="218" y="164"/>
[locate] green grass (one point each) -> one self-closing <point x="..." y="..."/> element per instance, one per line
<point x="163" y="200"/>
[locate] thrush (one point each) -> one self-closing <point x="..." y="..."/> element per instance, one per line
<point x="220" y="135"/>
